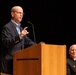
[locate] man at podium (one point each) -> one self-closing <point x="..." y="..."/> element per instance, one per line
<point x="71" y="62"/>
<point x="14" y="38"/>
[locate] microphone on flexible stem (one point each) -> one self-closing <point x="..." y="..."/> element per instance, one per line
<point x="33" y="31"/>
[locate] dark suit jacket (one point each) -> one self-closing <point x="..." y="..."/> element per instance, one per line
<point x="11" y="42"/>
<point x="71" y="66"/>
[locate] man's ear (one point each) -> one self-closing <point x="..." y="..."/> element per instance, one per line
<point x="69" y="51"/>
<point x="12" y="14"/>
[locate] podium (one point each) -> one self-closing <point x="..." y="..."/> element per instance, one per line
<point x="40" y="59"/>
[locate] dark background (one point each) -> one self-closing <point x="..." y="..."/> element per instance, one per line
<point x="53" y="20"/>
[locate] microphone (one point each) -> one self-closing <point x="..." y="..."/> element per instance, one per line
<point x="33" y="30"/>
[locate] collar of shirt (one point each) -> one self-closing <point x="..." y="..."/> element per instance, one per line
<point x="17" y="24"/>
<point x="74" y="59"/>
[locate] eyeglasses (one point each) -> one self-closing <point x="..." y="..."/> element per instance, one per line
<point x="19" y="12"/>
<point x="73" y="50"/>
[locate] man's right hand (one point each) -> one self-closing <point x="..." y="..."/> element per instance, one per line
<point x="24" y="32"/>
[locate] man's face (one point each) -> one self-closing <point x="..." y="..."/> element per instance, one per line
<point x="72" y="51"/>
<point x="17" y="15"/>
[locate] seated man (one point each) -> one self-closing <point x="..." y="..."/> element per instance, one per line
<point x="71" y="61"/>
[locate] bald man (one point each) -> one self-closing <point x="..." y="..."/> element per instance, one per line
<point x="14" y="38"/>
<point x="71" y="62"/>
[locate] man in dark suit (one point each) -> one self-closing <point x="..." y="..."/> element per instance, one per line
<point x="14" y="38"/>
<point x="71" y="61"/>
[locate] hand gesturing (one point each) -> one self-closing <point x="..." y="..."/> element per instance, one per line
<point x="24" y="32"/>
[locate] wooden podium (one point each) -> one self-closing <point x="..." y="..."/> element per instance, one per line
<point x="40" y="59"/>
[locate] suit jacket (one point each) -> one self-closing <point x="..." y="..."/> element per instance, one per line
<point x="11" y="41"/>
<point x="71" y="66"/>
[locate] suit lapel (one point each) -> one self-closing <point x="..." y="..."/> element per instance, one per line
<point x="14" y="28"/>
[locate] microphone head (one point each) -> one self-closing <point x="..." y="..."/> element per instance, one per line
<point x="29" y="22"/>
